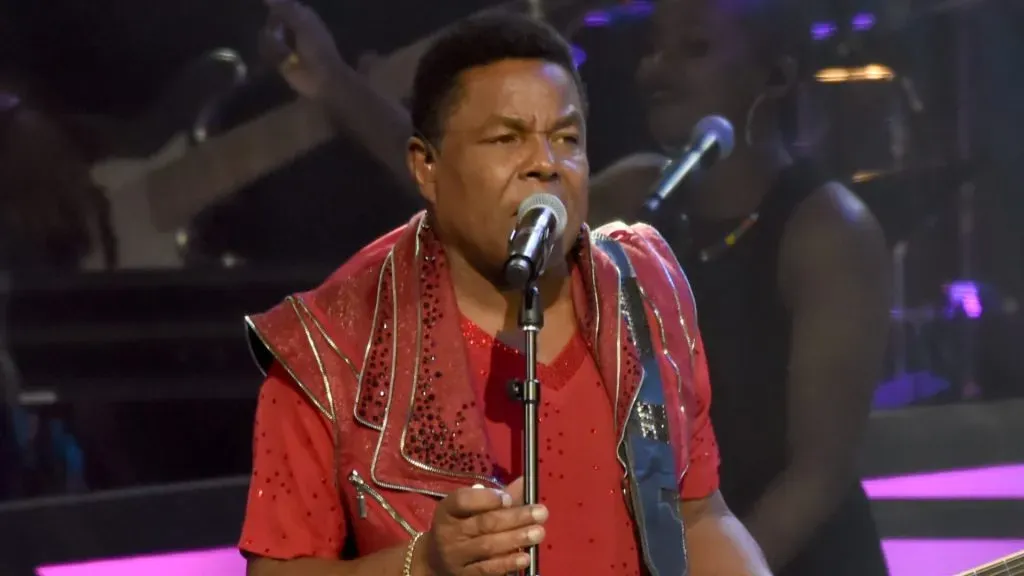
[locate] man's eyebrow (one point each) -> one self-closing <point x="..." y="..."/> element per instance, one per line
<point x="574" y="119"/>
<point x="507" y="121"/>
<point x="571" y="119"/>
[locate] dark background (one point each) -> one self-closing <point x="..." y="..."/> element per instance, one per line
<point x="167" y="351"/>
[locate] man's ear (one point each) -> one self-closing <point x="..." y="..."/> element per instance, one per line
<point x="419" y="157"/>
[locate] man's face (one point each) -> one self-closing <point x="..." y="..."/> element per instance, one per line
<point x="700" y="65"/>
<point x="516" y="129"/>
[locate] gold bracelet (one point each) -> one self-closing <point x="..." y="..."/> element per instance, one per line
<point x="409" y="552"/>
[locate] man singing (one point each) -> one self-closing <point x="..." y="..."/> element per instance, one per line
<point x="385" y="401"/>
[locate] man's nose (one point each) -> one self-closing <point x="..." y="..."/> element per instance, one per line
<point x="543" y="163"/>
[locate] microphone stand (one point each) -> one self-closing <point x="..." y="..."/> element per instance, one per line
<point x="527" y="391"/>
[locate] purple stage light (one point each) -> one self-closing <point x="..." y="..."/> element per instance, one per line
<point x="220" y="562"/>
<point x="578" y="56"/>
<point x="597" y="19"/>
<point x="992" y="483"/>
<point x="906" y="557"/>
<point x="944" y="557"/>
<point x="965" y="296"/>
<point x="863" y="22"/>
<point x="637" y="10"/>
<point x="823" y="30"/>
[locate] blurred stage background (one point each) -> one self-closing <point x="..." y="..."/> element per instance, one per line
<point x="129" y="393"/>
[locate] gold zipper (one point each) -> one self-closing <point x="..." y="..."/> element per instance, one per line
<point x="363" y="489"/>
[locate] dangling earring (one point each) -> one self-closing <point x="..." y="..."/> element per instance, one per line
<point x="748" y="130"/>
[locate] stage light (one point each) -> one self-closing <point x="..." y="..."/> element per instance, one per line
<point x="821" y="31"/>
<point x="963" y="296"/>
<point x="578" y="56"/>
<point x="866" y="73"/>
<point x="627" y="11"/>
<point x="863" y="22"/>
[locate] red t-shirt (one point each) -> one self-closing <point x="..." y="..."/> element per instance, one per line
<point x="589" y="530"/>
<point x="294" y="510"/>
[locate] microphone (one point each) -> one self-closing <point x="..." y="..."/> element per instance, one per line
<point x="540" y="222"/>
<point x="712" y="140"/>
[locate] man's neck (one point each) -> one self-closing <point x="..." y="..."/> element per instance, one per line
<point x="496" y="310"/>
<point x="736" y="188"/>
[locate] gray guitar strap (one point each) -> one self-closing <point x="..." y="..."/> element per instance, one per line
<point x="649" y="456"/>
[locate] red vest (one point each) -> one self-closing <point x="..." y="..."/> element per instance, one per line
<point x="378" y="350"/>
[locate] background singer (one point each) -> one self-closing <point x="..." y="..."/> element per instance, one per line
<point x="790" y="273"/>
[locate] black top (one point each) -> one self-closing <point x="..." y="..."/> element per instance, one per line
<point x="746" y="329"/>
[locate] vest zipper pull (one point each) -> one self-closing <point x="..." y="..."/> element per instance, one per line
<point x="361" y="503"/>
<point x="361" y="488"/>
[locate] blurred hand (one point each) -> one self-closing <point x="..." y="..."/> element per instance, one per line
<point x="481" y="532"/>
<point x="297" y="41"/>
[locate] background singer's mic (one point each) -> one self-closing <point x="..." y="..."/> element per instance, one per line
<point x="712" y="140"/>
<point x="540" y="222"/>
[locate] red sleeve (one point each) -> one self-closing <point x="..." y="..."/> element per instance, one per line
<point x="701" y="479"/>
<point x="293" y="510"/>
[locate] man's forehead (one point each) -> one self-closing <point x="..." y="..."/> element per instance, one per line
<point x="521" y="86"/>
<point x="504" y="74"/>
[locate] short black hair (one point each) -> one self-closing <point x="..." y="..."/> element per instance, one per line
<point x="474" y="42"/>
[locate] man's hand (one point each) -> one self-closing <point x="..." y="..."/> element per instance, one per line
<point x="481" y="532"/>
<point x="298" y="42"/>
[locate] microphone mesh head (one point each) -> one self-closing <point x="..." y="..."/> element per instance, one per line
<point x="545" y="200"/>
<point x="722" y="131"/>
